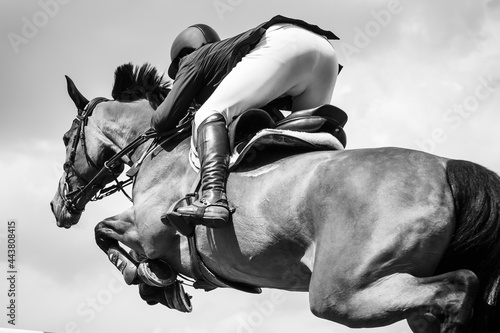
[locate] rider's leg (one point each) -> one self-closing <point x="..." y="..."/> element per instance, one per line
<point x="318" y="89"/>
<point x="287" y="61"/>
<point x="213" y="150"/>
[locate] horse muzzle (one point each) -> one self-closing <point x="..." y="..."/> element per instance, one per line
<point x="65" y="216"/>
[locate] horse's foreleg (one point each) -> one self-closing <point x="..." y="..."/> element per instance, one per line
<point x="135" y="267"/>
<point x="113" y="230"/>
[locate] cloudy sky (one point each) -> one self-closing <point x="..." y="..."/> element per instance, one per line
<point x="418" y="74"/>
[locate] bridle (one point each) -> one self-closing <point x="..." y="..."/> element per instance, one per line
<point x="70" y="196"/>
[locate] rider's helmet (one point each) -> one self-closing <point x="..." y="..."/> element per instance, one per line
<point x="189" y="40"/>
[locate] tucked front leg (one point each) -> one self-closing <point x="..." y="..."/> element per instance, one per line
<point x="135" y="267"/>
<point x="120" y="228"/>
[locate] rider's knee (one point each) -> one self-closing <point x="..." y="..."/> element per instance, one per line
<point x="202" y="116"/>
<point x="204" y="113"/>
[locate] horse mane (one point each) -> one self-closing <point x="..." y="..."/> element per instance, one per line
<point x="133" y="83"/>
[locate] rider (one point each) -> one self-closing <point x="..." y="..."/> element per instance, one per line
<point x="281" y="57"/>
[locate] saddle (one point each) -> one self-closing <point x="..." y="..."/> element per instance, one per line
<point x="320" y="128"/>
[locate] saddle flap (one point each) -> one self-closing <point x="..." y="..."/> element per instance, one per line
<point x="284" y="138"/>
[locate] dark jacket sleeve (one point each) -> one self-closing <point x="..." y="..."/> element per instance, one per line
<point x="184" y="90"/>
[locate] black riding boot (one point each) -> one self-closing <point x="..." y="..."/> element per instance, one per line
<point x="212" y="208"/>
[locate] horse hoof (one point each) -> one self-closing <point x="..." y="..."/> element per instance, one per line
<point x="423" y="323"/>
<point x="149" y="293"/>
<point x="156" y="273"/>
<point x="125" y="264"/>
<point x="180" y="299"/>
<point x="172" y="296"/>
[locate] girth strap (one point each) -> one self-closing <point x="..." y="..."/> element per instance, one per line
<point x="207" y="280"/>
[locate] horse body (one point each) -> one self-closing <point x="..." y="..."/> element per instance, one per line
<point x="322" y="199"/>
<point x="363" y="231"/>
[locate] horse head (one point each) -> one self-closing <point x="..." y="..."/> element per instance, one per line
<point x="99" y="131"/>
<point x="87" y="149"/>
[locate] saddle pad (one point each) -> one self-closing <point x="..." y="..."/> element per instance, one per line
<point x="275" y="137"/>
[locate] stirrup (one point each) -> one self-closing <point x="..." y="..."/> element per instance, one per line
<point x="185" y="223"/>
<point x="156" y="273"/>
<point x="214" y="215"/>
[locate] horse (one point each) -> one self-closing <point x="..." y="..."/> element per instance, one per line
<point x="374" y="236"/>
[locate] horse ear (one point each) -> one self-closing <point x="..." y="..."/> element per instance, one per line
<point x="79" y="100"/>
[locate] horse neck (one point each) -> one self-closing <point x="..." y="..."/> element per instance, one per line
<point x="121" y="123"/>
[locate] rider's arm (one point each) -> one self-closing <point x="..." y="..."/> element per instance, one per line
<point x="184" y="90"/>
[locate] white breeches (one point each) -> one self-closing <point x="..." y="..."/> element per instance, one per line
<point x="288" y="61"/>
